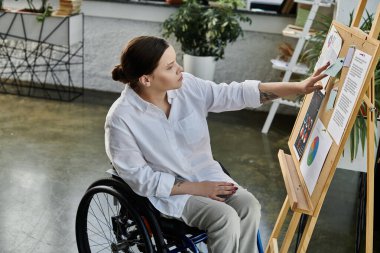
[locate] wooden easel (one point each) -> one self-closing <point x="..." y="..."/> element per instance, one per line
<point x="298" y="198"/>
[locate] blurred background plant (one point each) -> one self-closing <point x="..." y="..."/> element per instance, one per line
<point x="206" y="30"/>
<point x="45" y="9"/>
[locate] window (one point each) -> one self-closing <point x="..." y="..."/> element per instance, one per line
<point x="272" y="6"/>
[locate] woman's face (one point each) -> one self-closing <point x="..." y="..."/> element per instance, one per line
<point x="168" y="73"/>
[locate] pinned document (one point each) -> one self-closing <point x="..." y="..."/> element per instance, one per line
<point x="332" y="97"/>
<point x="352" y="85"/>
<point x="334" y="68"/>
<point x="348" y="59"/>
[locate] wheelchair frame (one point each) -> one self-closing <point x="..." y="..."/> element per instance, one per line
<point x="170" y="235"/>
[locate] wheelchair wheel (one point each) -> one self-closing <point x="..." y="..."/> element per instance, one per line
<point x="106" y="223"/>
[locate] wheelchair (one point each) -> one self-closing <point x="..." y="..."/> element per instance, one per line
<point x="112" y="218"/>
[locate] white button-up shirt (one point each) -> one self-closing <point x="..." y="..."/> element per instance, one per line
<point x="149" y="149"/>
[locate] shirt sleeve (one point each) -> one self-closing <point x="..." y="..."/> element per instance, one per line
<point x="130" y="164"/>
<point x="227" y="97"/>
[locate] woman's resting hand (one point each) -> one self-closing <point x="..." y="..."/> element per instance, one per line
<point x="213" y="190"/>
<point x="216" y="190"/>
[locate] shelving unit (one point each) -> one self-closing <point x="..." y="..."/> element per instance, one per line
<point x="322" y="3"/>
<point x="42" y="59"/>
<point x="293" y="31"/>
<point x="299" y="68"/>
<point x="293" y="66"/>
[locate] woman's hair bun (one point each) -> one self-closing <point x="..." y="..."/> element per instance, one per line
<point x="140" y="57"/>
<point x="118" y="74"/>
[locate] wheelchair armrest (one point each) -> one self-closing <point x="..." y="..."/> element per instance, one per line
<point x="143" y="201"/>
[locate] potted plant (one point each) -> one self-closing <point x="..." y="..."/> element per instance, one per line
<point x="204" y="32"/>
<point x="44" y="10"/>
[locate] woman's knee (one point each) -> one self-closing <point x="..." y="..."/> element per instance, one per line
<point x="226" y="220"/>
<point x="249" y="206"/>
<point x="256" y="206"/>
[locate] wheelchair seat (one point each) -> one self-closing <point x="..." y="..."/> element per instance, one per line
<point x="111" y="216"/>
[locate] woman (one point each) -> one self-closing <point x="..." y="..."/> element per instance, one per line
<point x="157" y="138"/>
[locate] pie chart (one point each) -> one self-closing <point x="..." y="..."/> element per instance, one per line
<point x="313" y="151"/>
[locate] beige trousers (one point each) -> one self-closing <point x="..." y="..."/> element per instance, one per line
<point x="231" y="225"/>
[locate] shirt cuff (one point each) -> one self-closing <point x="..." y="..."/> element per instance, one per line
<point x="251" y="93"/>
<point x="165" y="185"/>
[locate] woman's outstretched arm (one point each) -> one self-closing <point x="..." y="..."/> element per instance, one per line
<point x="270" y="91"/>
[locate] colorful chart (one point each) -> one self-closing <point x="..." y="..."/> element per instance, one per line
<point x="313" y="151"/>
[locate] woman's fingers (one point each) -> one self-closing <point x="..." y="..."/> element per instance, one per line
<point x="311" y="83"/>
<point x="224" y="187"/>
<point x="318" y="78"/>
<point x="224" y="184"/>
<point x="219" y="199"/>
<point x="321" y="69"/>
<point x="314" y="87"/>
<point x="217" y="190"/>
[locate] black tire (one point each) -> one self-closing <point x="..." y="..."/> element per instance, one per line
<point x="115" y="222"/>
<point x="141" y="205"/>
<point x="112" y="182"/>
<point x="123" y="188"/>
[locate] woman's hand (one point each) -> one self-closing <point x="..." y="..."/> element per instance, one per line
<point x="270" y="91"/>
<point x="213" y="190"/>
<point x="216" y="190"/>
<point x="310" y="84"/>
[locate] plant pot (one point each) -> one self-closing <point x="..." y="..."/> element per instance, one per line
<point x="200" y="66"/>
<point x="360" y="162"/>
<point x="174" y="2"/>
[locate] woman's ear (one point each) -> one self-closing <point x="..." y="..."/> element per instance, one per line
<point x="145" y="80"/>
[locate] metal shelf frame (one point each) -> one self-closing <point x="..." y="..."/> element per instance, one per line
<point x="42" y="59"/>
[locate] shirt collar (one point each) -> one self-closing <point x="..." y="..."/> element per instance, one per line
<point x="134" y="99"/>
<point x="172" y="94"/>
<point x="140" y="103"/>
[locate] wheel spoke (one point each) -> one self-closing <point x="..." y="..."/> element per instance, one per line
<point x="109" y="205"/>
<point x="99" y="223"/>
<point x="95" y="217"/>
<point x="105" y="210"/>
<point x="98" y="234"/>
<point x="103" y="249"/>
<point x="97" y="244"/>
<point x="108" y="211"/>
<point x="102" y="211"/>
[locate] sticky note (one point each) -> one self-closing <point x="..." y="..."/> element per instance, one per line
<point x="331" y="101"/>
<point x="348" y="59"/>
<point x="334" y="68"/>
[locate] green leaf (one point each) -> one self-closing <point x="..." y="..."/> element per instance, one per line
<point x="357" y="129"/>
<point x="352" y="144"/>
<point x="205" y="31"/>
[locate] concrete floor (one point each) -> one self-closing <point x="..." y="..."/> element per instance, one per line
<point x="51" y="151"/>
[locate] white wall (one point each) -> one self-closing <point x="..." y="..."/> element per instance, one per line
<point x="108" y="26"/>
<point x="345" y="7"/>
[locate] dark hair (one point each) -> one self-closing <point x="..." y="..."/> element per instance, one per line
<point x="139" y="57"/>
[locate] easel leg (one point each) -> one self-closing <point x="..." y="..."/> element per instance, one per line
<point x="277" y="227"/>
<point x="370" y="169"/>
<point x="307" y="233"/>
<point x="290" y="233"/>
